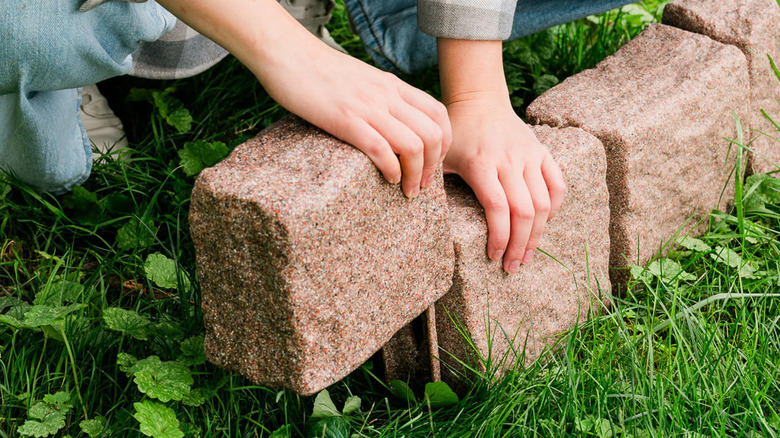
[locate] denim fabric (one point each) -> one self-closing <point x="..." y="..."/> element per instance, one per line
<point x="390" y="32"/>
<point x="48" y="50"/>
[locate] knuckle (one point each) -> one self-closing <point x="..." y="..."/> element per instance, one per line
<point x="496" y="204"/>
<point x="435" y="136"/>
<point x="412" y="147"/>
<point x="523" y="214"/>
<point x="542" y="207"/>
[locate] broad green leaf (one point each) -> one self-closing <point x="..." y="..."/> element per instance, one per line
<point x="60" y="292"/>
<point x="351" y="405"/>
<point x="94" y="427"/>
<point x="403" y="391"/>
<point x="192" y="352"/>
<point x="60" y="400"/>
<point x="128" y="322"/>
<point x="181" y="119"/>
<point x="440" y="395"/>
<point x="126" y="363"/>
<point x="198" y="155"/>
<point x="157" y="420"/>
<point x="47" y="417"/>
<point x="46" y="426"/>
<point x="331" y="427"/>
<point x="170" y="108"/>
<point x="10" y="321"/>
<point x="669" y="270"/>
<point x="135" y="234"/>
<point x="693" y="244"/>
<point x="761" y="190"/>
<point x="323" y="406"/>
<point x="41" y="315"/>
<point x="640" y="273"/>
<point x="162" y="271"/>
<point x="164" y="381"/>
<point x="197" y="397"/>
<point x="282" y="432"/>
<point x="728" y="257"/>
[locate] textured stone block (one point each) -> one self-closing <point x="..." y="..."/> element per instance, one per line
<point x="547" y="296"/>
<point x="662" y="107"/>
<point x="754" y="27"/>
<point x="309" y="262"/>
<point x="412" y="355"/>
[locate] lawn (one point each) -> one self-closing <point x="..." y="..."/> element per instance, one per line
<point x="101" y="329"/>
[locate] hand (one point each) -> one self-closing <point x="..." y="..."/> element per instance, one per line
<point x="403" y="130"/>
<point x="513" y="175"/>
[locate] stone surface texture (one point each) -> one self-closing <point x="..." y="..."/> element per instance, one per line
<point x="662" y="107"/>
<point x="754" y="27"/>
<point x="547" y="296"/>
<point x="412" y="355"/>
<point x="308" y="260"/>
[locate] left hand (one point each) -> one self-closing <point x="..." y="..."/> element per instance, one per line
<point x="513" y="175"/>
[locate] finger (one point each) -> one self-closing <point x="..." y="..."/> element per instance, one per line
<point x="409" y="147"/>
<point x="491" y="195"/>
<point x="556" y="186"/>
<point x="431" y="135"/>
<point x="433" y="109"/>
<point x="540" y="197"/>
<point x="521" y="214"/>
<point x="365" y="138"/>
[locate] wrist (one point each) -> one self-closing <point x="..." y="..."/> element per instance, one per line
<point x="472" y="71"/>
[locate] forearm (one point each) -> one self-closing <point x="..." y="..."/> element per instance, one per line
<point x="260" y="33"/>
<point x="471" y="69"/>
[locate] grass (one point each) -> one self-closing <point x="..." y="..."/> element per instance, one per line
<point x="694" y="350"/>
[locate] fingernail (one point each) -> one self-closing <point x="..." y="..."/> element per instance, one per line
<point x="529" y="255"/>
<point x="514" y="267"/>
<point x="429" y="181"/>
<point x="396" y="179"/>
<point x="496" y="255"/>
<point x="414" y="193"/>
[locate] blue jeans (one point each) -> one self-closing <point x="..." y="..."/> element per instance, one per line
<point x="389" y="30"/>
<point x="48" y="50"/>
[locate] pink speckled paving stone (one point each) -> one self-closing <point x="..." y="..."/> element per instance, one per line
<point x="526" y="311"/>
<point x="754" y="27"/>
<point x="412" y="355"/>
<point x="308" y="260"/>
<point x="662" y="107"/>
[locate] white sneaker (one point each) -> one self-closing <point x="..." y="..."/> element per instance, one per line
<point x="314" y="15"/>
<point x="104" y="129"/>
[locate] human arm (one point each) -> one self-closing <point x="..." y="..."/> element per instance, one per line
<point x="513" y="175"/>
<point x="403" y="131"/>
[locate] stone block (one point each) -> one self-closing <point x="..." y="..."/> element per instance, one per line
<point x="754" y="27"/>
<point x="308" y="260"/>
<point x="662" y="107"/>
<point x="517" y="315"/>
<point x="412" y="355"/>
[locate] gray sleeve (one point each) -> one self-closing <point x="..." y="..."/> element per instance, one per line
<point x="466" y="19"/>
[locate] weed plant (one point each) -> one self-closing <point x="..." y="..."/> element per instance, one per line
<point x="101" y="329"/>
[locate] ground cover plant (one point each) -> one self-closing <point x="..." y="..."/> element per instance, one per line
<point x="101" y="332"/>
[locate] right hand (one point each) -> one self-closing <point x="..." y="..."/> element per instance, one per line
<point x="403" y="130"/>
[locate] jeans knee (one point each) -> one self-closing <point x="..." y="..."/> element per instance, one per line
<point x="49" y="45"/>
